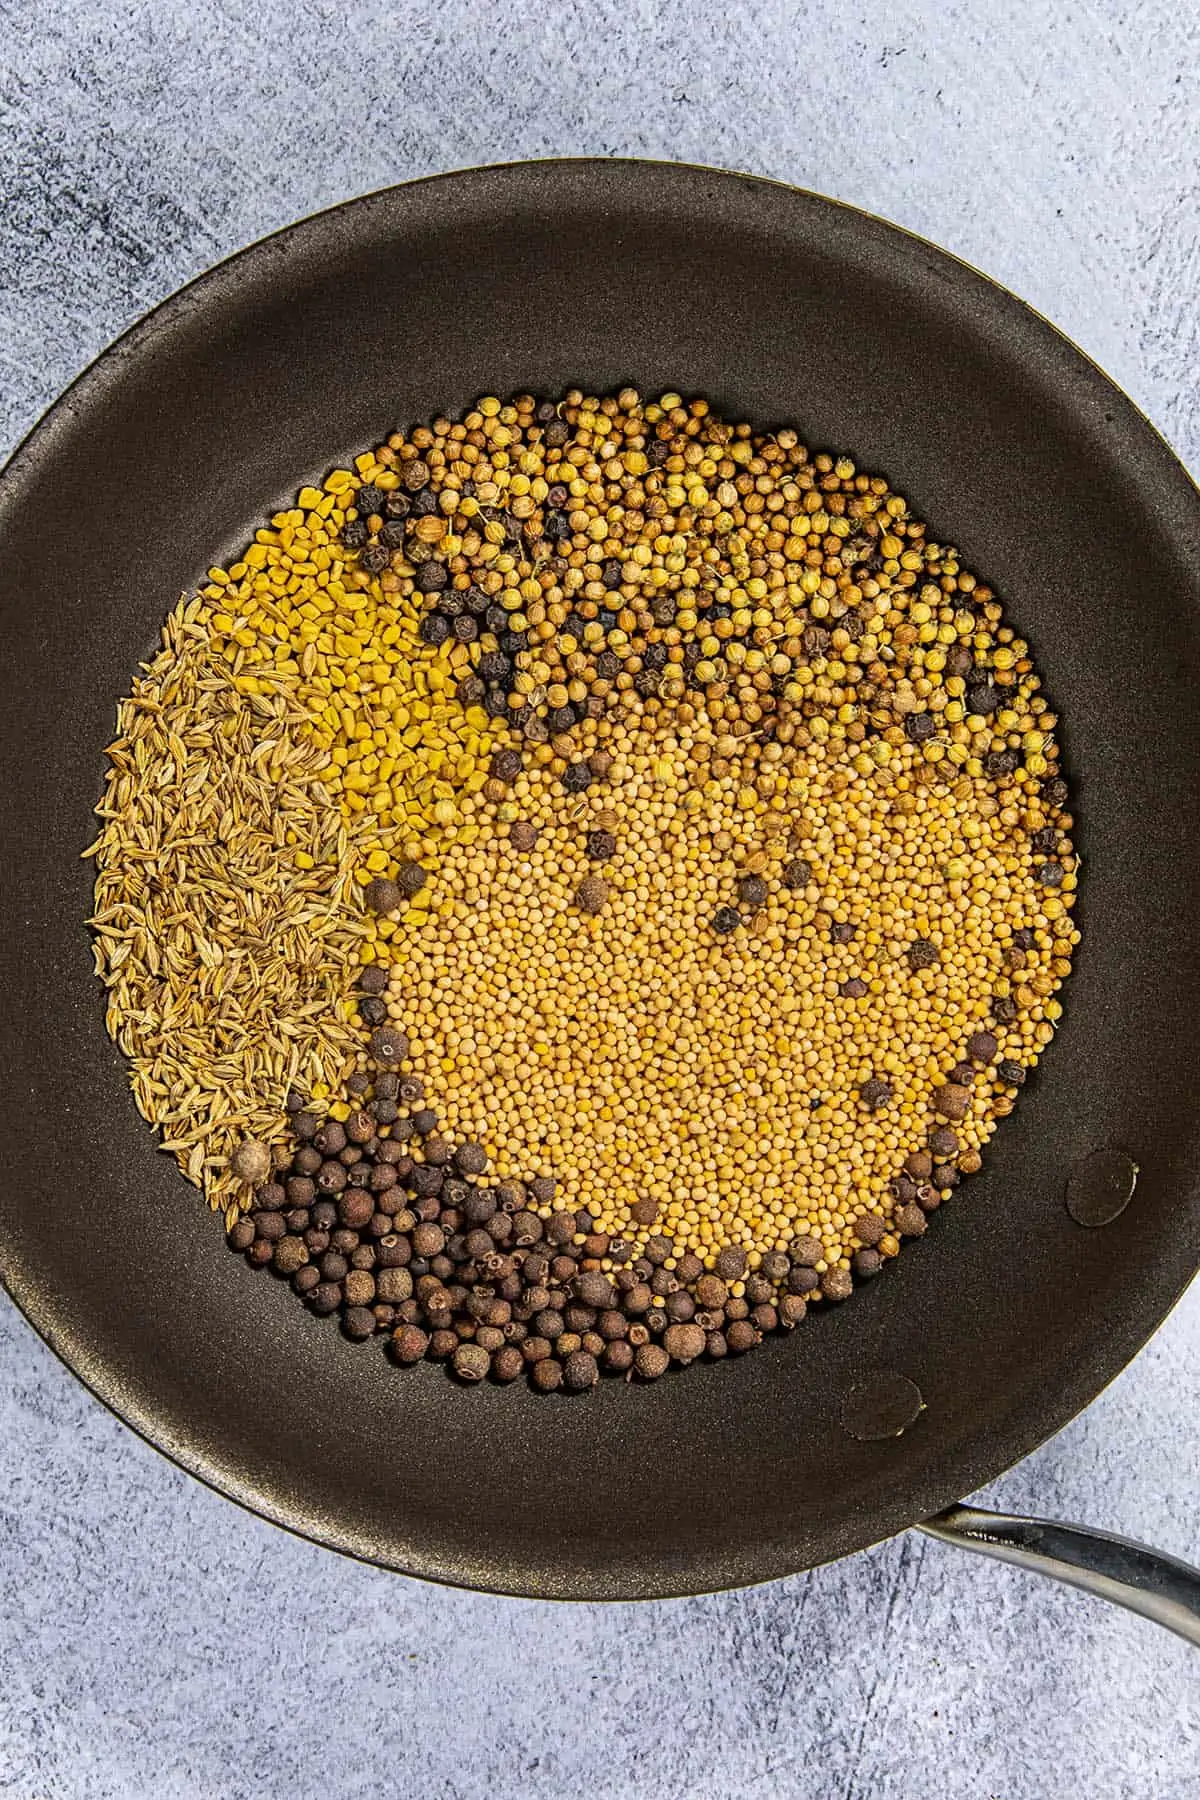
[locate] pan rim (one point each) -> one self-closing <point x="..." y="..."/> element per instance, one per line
<point x="50" y="1319"/>
<point x="132" y="333"/>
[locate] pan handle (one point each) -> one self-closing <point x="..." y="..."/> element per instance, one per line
<point x="1115" y="1568"/>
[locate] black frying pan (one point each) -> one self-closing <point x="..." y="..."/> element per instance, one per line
<point x="1010" y="1315"/>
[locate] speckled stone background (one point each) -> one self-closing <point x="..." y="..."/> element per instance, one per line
<point x="155" y="1642"/>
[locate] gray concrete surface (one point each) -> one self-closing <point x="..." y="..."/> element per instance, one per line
<point x="155" y="1642"/>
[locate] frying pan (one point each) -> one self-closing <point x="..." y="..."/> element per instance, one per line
<point x="1046" y="1273"/>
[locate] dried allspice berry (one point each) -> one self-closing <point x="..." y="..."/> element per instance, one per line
<point x="592" y="894"/>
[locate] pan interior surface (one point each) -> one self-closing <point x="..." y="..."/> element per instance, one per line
<point x="781" y="308"/>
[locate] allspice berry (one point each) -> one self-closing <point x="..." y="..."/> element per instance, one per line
<point x="591" y="894"/>
<point x="651" y="1361"/>
<point x="837" y="1284"/>
<point x="471" y="1363"/>
<point x="505" y="766"/>
<point x="388" y="1045"/>
<point x="411" y="878"/>
<point x="684" y="1343"/>
<point x="382" y="895"/>
<point x="251" y="1161"/>
<point x="580" y="1372"/>
<point x="291" y="1253"/>
<point x="409" y="1343"/>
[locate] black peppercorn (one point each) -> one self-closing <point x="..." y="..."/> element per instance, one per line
<point x="752" y="892"/>
<point x="578" y="776"/>
<point x="600" y="846"/>
<point x="505" y="766"/>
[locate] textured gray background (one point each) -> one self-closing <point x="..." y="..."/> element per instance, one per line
<point x="155" y="1641"/>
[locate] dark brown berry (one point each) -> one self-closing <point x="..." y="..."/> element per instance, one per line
<point x="507" y="1363"/>
<point x="600" y="846"/>
<point x="580" y="1372"/>
<point x="546" y="1375"/>
<point x="382" y="896"/>
<point x="951" y="1100"/>
<point x="837" y="1284"/>
<point x="591" y="895"/>
<point x="505" y="766"/>
<point x="684" y="1343"/>
<point x="752" y="892"/>
<point x="472" y="1160"/>
<point x="411" y="878"/>
<point x="471" y="1362"/>
<point x="651" y="1361"/>
<point x="731" y="1264"/>
<point x="409" y="1344"/>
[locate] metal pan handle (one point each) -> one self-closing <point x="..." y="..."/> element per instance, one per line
<point x="1115" y="1568"/>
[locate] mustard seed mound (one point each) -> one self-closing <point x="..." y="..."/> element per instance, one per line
<point x="666" y="893"/>
<point x="756" y="1080"/>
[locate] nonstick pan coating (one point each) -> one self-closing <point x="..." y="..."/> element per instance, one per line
<point x="781" y="307"/>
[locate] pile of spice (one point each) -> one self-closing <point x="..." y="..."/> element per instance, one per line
<point x="226" y="928"/>
<point x="697" y="878"/>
